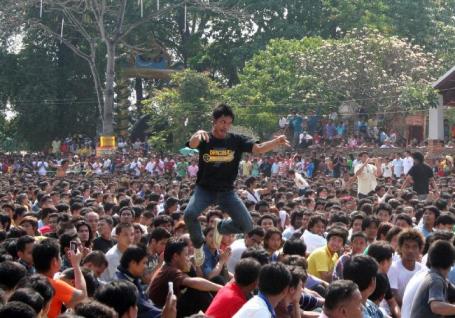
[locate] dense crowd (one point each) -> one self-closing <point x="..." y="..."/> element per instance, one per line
<point x="337" y="235"/>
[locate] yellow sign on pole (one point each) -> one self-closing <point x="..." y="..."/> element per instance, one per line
<point x="108" y="142"/>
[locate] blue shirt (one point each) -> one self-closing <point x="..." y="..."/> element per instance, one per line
<point x="210" y="260"/>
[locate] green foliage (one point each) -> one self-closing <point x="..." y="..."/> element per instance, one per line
<point x="189" y="100"/>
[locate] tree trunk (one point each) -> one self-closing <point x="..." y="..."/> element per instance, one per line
<point x="108" y="125"/>
<point x="139" y="94"/>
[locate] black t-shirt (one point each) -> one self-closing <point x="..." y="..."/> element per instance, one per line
<point x="103" y="245"/>
<point x="421" y="174"/>
<point x="219" y="161"/>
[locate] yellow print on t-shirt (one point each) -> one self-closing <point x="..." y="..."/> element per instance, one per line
<point x="223" y="155"/>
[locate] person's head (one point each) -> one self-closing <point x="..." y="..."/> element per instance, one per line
<point x="274" y="279"/>
<point x="24" y="248"/>
<point x="30" y="297"/>
<point x="95" y="261"/>
<point x="272" y="239"/>
<point x="298" y="277"/>
<point x="317" y="224"/>
<point x="105" y="225"/>
<point x="410" y="243"/>
<point x="94" y="309"/>
<point x="370" y="226"/>
<point x="267" y="221"/>
<point x="418" y="157"/>
<point x="176" y="253"/>
<point x="384" y="212"/>
<point x="294" y="247"/>
<point x="359" y="243"/>
<point x="84" y="232"/>
<point x="92" y="218"/>
<point x="125" y="235"/>
<point x="40" y="284"/>
<point x="336" y="238"/>
<point x="430" y="214"/>
<point x="445" y="222"/>
<point x="121" y="295"/>
<point x="46" y="258"/>
<point x="441" y="255"/>
<point x="381" y="288"/>
<point x="223" y="117"/>
<point x="10" y="274"/>
<point x="254" y="237"/>
<point x="126" y="215"/>
<point x="362" y="269"/>
<point x="363" y="156"/>
<point x="17" y="309"/>
<point x="382" y="252"/>
<point x="134" y="260"/>
<point x="403" y="221"/>
<point x="297" y="219"/>
<point x="343" y="300"/>
<point x="357" y="218"/>
<point x="157" y="240"/>
<point x="246" y="273"/>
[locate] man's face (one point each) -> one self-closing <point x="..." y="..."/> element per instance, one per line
<point x="266" y="224"/>
<point x="335" y="244"/>
<point x="357" y="225"/>
<point x="126" y="236"/>
<point x="103" y="228"/>
<point x="137" y="268"/>
<point x="318" y="228"/>
<point x="409" y="250"/>
<point x="384" y="215"/>
<point x="429" y="218"/>
<point x="445" y="227"/>
<point x="402" y="224"/>
<point x="93" y="219"/>
<point x="222" y="125"/>
<point x="157" y="247"/>
<point x="182" y="259"/>
<point x="254" y="240"/>
<point x="53" y="221"/>
<point x="371" y="231"/>
<point x="358" y="245"/>
<point x="364" y="157"/>
<point x="298" y="222"/>
<point x="83" y="233"/>
<point x="26" y="254"/>
<point x="126" y="216"/>
<point x="353" y="307"/>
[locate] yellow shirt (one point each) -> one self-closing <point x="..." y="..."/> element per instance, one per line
<point x="321" y="260"/>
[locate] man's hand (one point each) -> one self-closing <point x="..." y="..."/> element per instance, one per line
<point x="75" y="258"/>
<point x="224" y="257"/>
<point x="202" y="135"/>
<point x="170" y="308"/>
<point x="282" y="140"/>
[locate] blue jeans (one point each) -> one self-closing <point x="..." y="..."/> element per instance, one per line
<point x="240" y="221"/>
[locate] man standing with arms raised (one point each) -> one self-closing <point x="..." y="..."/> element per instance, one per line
<point x="220" y="153"/>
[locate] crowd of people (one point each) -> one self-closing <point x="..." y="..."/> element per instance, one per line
<point x="225" y="235"/>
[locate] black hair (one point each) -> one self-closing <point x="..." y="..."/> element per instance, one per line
<point x="17" y="309"/>
<point x="121" y="226"/>
<point x="361" y="269"/>
<point x="10" y="274"/>
<point x="382" y="285"/>
<point x="268" y="216"/>
<point x="338" y="292"/>
<point x="295" y="215"/>
<point x="39" y="283"/>
<point x="162" y="219"/>
<point x="257" y="230"/>
<point x="223" y="110"/>
<point x="94" y="309"/>
<point x="435" y="236"/>
<point x="258" y="254"/>
<point x="298" y="274"/>
<point x="441" y="255"/>
<point x="91" y="281"/>
<point x="405" y="217"/>
<point x="315" y="219"/>
<point x="294" y="247"/>
<point x="43" y="254"/>
<point x="433" y="209"/>
<point x="380" y="251"/>
<point x="247" y="271"/>
<point x="418" y="157"/>
<point x="368" y="221"/>
<point x="132" y="253"/>
<point x="23" y="241"/>
<point x="274" y="278"/>
<point x="97" y="258"/>
<point x="338" y="231"/>
<point x="120" y="295"/>
<point x="445" y="218"/>
<point x="173" y="246"/>
<point x="30" y="297"/>
<point x="410" y="235"/>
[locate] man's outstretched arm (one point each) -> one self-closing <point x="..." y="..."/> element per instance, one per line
<point x="270" y="145"/>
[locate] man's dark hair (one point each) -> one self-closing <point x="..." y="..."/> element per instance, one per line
<point x="257" y="230"/>
<point x="17" y="309"/>
<point x="274" y="278"/>
<point x="259" y="254"/>
<point x="436" y="236"/>
<point x="159" y="234"/>
<point x="368" y="221"/>
<point x="43" y="254"/>
<point x="120" y="295"/>
<point x="359" y="234"/>
<point x="30" y="297"/>
<point x="10" y="274"/>
<point x="223" y="110"/>
<point x="338" y="231"/>
<point x="445" y="218"/>
<point x="405" y="217"/>
<point x="410" y="235"/>
<point x="39" y="283"/>
<point x="23" y="241"/>
<point x="315" y="219"/>
<point x="162" y="219"/>
<point x="94" y="309"/>
<point x="361" y="269"/>
<point x="97" y="258"/>
<point x="441" y="255"/>
<point x="338" y="292"/>
<point x="132" y="253"/>
<point x="173" y="246"/>
<point x="121" y="226"/>
<point x="380" y="251"/>
<point x="381" y="287"/>
<point x="433" y="209"/>
<point x="298" y="274"/>
<point x="247" y="271"/>
<point x="417" y="156"/>
<point x="294" y="247"/>
<point x="295" y="215"/>
<point x="268" y="216"/>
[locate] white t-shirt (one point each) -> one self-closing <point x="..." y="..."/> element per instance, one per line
<point x="237" y="248"/>
<point x="408" y="162"/>
<point x="254" y="308"/>
<point x="366" y="181"/>
<point x="42" y="167"/>
<point x="399" y="276"/>
<point x="253" y="197"/>
<point x="387" y="169"/>
<point x="410" y="291"/>
<point x="397" y="167"/>
<point x="312" y="241"/>
<point x="113" y="257"/>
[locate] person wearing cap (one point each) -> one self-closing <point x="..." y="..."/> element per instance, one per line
<point x="366" y="174"/>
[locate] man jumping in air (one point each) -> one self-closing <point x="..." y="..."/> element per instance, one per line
<point x="219" y="155"/>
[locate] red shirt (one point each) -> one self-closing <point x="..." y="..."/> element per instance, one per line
<point x="227" y="301"/>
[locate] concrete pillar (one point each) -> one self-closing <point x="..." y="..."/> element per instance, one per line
<point x="436" y="121"/>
